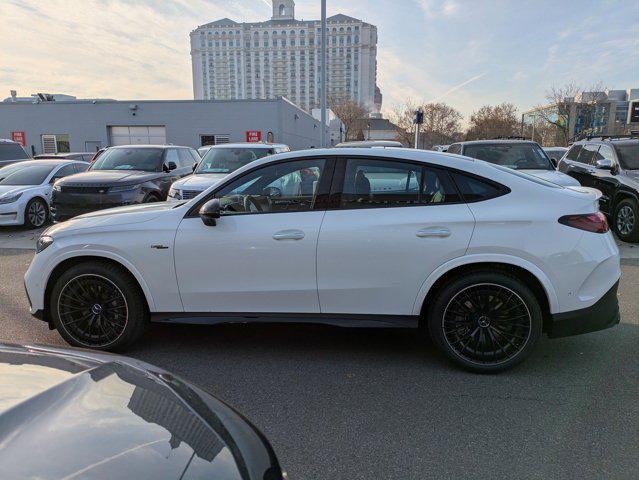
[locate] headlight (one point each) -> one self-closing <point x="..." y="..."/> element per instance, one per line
<point x="175" y="193"/>
<point x="43" y="242"/>
<point x="124" y="188"/>
<point x="10" y="198"/>
<point x="57" y="188"/>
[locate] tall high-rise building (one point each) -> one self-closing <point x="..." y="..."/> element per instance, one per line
<point x="282" y="57"/>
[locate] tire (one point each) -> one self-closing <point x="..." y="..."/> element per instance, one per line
<point x="85" y="318"/>
<point x="626" y="220"/>
<point x="36" y="213"/>
<point x="152" y="198"/>
<point x="485" y="321"/>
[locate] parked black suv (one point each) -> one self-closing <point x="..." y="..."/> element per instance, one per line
<point x="610" y="165"/>
<point x="123" y="175"/>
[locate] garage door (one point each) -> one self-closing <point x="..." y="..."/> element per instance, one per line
<point x="137" y="135"/>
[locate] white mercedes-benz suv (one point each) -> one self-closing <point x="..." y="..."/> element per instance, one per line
<point x="483" y="258"/>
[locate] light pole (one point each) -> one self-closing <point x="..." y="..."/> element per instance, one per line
<point x="323" y="79"/>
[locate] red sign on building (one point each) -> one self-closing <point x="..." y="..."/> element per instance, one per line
<point x="253" y="136"/>
<point x="19" y="137"/>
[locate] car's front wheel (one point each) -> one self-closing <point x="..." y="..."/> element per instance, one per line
<point x="98" y="305"/>
<point x="626" y="221"/>
<point x="485" y="321"/>
<point x="36" y="213"/>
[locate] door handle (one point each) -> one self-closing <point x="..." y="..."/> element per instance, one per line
<point x="433" y="232"/>
<point x="288" y="235"/>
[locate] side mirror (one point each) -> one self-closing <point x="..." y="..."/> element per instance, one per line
<point x="554" y="162"/>
<point x="210" y="212"/>
<point x="172" y="166"/>
<point x="195" y="166"/>
<point x="53" y="180"/>
<point x="604" y="164"/>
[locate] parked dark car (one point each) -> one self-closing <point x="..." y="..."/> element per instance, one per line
<point x="125" y="175"/>
<point x="81" y="156"/>
<point x="523" y="155"/>
<point x="610" y="165"/>
<point x="11" y="152"/>
<point x="77" y="414"/>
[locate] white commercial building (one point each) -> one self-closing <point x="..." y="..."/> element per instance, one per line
<point x="282" y="57"/>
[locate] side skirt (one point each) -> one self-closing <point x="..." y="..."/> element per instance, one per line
<point x="346" y="321"/>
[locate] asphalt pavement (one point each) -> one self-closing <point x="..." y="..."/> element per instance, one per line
<point x="379" y="404"/>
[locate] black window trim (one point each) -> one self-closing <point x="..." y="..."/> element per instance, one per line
<point x="340" y="170"/>
<point x="330" y="188"/>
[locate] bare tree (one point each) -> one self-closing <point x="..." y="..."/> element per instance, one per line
<point x="352" y="114"/>
<point x="493" y="122"/>
<point x="441" y="123"/>
<point x="561" y="108"/>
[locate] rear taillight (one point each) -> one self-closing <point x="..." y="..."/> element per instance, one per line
<point x="590" y="222"/>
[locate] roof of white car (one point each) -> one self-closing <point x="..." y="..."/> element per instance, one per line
<point x="47" y="162"/>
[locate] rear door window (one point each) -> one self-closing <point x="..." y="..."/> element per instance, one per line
<point x="573" y="153"/>
<point x="587" y="154"/>
<point x="372" y="183"/>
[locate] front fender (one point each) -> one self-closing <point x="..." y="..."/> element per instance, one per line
<point x="38" y="276"/>
<point x="551" y="293"/>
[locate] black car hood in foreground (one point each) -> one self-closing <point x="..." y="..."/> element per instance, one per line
<point x="107" y="177"/>
<point x="67" y="414"/>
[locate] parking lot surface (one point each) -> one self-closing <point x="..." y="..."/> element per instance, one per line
<point x="363" y="404"/>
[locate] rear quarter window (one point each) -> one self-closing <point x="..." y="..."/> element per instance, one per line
<point x="475" y="189"/>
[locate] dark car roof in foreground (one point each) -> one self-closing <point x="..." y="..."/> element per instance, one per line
<point x="92" y="415"/>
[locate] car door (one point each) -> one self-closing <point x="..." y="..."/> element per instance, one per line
<point x="260" y="256"/>
<point x="605" y="180"/>
<point x="393" y="223"/>
<point x="584" y="167"/>
<point x="568" y="164"/>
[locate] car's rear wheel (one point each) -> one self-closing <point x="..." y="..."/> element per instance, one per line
<point x="36" y="213"/>
<point x="98" y="305"/>
<point x="485" y="321"/>
<point x="626" y="221"/>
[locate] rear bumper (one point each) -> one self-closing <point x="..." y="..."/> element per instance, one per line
<point x="603" y="314"/>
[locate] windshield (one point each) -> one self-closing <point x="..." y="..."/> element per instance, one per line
<point x="12" y="151"/>
<point x="227" y="160"/>
<point x="628" y="156"/>
<point x="518" y="156"/>
<point x="21" y="174"/>
<point x="146" y="159"/>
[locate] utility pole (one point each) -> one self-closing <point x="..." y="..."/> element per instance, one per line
<point x="418" y="120"/>
<point x="323" y="79"/>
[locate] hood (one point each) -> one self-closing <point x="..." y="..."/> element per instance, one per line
<point x="9" y="190"/>
<point x="554" y="176"/>
<point x="113" y="216"/>
<point x="200" y="181"/>
<point x="108" y="177"/>
<point x="102" y="416"/>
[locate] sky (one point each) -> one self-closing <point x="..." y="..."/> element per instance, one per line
<point x="467" y="53"/>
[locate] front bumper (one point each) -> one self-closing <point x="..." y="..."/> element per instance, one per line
<point x="603" y="314"/>
<point x="68" y="205"/>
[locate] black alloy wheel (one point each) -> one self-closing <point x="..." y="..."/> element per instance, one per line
<point x="626" y="221"/>
<point x="98" y="306"/>
<point x="486" y="321"/>
<point x="36" y="213"/>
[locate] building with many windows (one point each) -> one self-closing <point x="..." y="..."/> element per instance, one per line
<point x="588" y="113"/>
<point x="282" y="57"/>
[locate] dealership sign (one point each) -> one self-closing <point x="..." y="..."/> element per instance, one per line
<point x="19" y="137"/>
<point x="253" y="136"/>
<point x="634" y="112"/>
